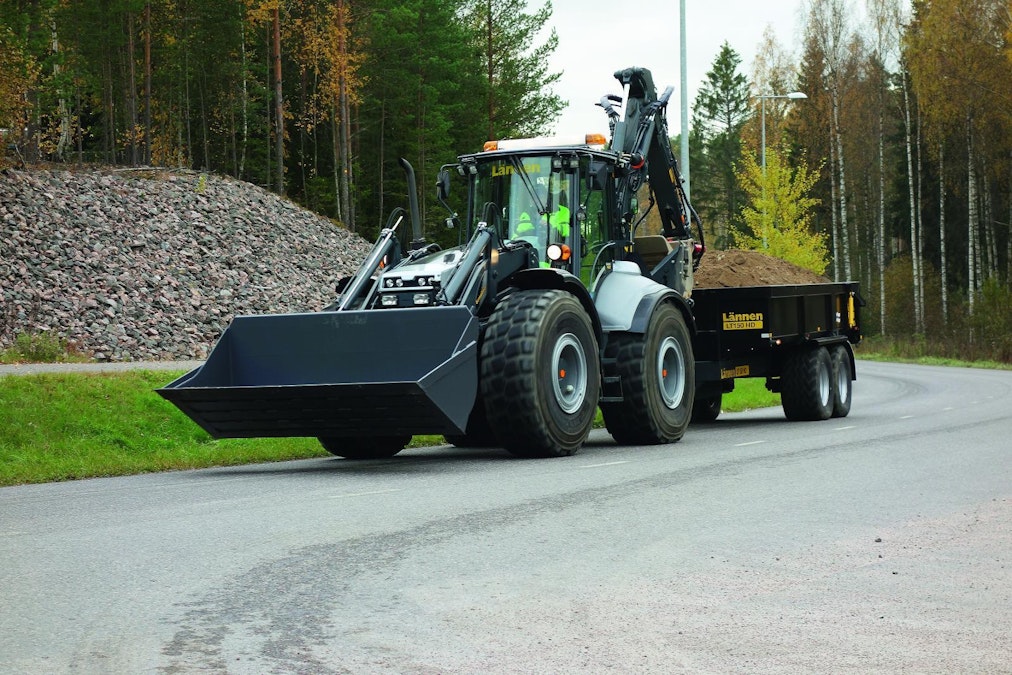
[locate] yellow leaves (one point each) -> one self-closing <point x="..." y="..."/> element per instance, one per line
<point x="780" y="212"/>
<point x="261" y="11"/>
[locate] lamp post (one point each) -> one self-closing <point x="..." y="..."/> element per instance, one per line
<point x="795" y="95"/>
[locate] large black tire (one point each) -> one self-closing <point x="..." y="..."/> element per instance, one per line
<point x="540" y="373"/>
<point x="365" y="447"/>
<point x="806" y="389"/>
<point x="842" y="380"/>
<point x="658" y="380"/>
<point x="478" y="433"/>
<point x="706" y="408"/>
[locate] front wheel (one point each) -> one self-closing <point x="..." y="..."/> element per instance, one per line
<point x="478" y="433"/>
<point x="657" y="370"/>
<point x="365" y="447"/>
<point x="540" y="373"/>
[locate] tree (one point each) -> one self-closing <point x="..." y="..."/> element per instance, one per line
<point x="719" y="114"/>
<point x="17" y="72"/>
<point x="518" y="97"/>
<point x="959" y="71"/>
<point x="828" y="26"/>
<point x="778" y="214"/>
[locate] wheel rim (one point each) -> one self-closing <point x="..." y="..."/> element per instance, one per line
<point x="824" y="385"/>
<point x="671" y="372"/>
<point x="843" y="381"/>
<point x="569" y="368"/>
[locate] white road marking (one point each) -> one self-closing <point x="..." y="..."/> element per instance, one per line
<point x="907" y="417"/>
<point x="845" y="428"/>
<point x="742" y="445"/>
<point x="594" y="466"/>
<point x="365" y="494"/>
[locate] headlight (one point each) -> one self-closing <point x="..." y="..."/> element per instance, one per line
<point x="389" y="300"/>
<point x="421" y="298"/>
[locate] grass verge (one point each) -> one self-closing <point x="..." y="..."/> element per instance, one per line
<point x="66" y="426"/>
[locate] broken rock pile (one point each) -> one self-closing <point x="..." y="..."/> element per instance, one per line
<point x="154" y="264"/>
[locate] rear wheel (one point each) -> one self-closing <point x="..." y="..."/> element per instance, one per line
<point x="707" y="408"/>
<point x="540" y="373"/>
<point x="658" y="379"/>
<point x="806" y="388"/>
<point x="842" y="380"/>
<point x="371" y="447"/>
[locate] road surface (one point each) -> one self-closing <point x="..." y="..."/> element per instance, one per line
<point x="876" y="543"/>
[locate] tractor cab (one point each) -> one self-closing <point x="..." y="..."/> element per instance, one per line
<point x="547" y="194"/>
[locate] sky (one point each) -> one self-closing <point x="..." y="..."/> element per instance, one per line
<point x="597" y="38"/>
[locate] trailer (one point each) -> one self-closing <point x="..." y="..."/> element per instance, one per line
<point x="798" y="337"/>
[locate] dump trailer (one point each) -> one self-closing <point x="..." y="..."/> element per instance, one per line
<point x="556" y="305"/>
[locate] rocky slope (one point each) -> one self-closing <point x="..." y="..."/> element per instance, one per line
<point x="143" y="265"/>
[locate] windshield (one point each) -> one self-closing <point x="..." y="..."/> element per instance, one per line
<point x="531" y="201"/>
<point x="524" y="199"/>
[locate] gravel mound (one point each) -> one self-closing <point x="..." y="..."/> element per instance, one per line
<point x="141" y="265"/>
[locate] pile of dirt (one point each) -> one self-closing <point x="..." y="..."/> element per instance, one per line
<point x="736" y="268"/>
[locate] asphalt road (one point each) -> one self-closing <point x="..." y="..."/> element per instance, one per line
<point x="877" y="543"/>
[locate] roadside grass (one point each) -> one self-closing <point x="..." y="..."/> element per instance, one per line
<point x="57" y="427"/>
<point x="889" y="356"/>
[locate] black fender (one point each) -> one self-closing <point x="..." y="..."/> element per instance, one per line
<point x="535" y="278"/>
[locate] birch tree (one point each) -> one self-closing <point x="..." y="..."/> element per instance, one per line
<point x="829" y="25"/>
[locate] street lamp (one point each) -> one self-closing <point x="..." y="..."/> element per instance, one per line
<point x="795" y="95"/>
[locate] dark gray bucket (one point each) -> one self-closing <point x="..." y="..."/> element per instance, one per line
<point x="334" y="374"/>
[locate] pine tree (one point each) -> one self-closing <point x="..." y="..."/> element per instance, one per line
<point x="719" y="115"/>
<point x="518" y="85"/>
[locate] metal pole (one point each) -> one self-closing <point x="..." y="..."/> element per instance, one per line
<point x="685" y="103"/>
<point x="763" y="99"/>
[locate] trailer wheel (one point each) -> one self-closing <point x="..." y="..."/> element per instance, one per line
<point x="707" y="408"/>
<point x="806" y="388"/>
<point x="842" y="380"/>
<point x="658" y="381"/>
<point x="540" y="373"/>
<point x="365" y="447"/>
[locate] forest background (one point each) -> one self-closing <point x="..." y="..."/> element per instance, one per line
<point x="895" y="170"/>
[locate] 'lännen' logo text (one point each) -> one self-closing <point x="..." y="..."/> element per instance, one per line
<point x="736" y="321"/>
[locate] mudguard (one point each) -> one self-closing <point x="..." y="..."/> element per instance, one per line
<point x="625" y="299"/>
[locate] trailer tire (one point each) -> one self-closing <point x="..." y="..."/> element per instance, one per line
<point x="842" y="380"/>
<point x="364" y="447"/>
<point x="706" y="408"/>
<point x="540" y="373"/>
<point x="806" y="388"/>
<point x="657" y="371"/>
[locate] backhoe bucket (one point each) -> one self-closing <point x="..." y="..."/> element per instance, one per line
<point x="336" y="374"/>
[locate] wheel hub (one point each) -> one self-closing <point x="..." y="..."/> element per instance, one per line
<point x="569" y="365"/>
<point x="671" y="372"/>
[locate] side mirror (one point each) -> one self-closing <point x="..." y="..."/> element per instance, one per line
<point x="443" y="185"/>
<point x="597" y="176"/>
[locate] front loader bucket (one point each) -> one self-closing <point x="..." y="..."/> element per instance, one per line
<point x="336" y="374"/>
